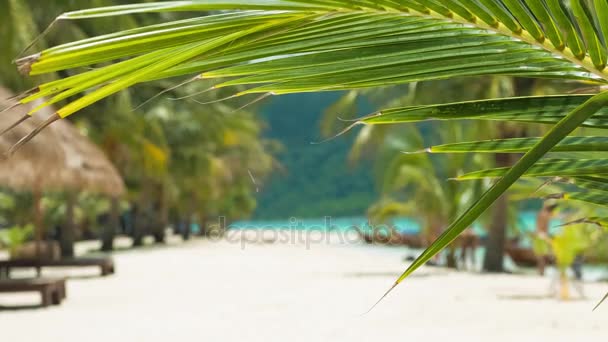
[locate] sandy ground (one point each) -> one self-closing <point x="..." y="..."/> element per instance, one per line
<point x="222" y="291"/>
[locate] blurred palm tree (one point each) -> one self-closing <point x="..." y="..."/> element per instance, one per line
<point x="199" y="160"/>
<point x="420" y="181"/>
<point x="417" y="185"/>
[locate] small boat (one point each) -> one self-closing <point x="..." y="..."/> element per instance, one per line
<point x="525" y="257"/>
<point x="522" y="257"/>
<point x="393" y="238"/>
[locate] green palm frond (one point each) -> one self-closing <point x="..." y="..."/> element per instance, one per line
<point x="595" y="220"/>
<point x="591" y="183"/>
<point x="294" y="46"/>
<point x="550" y="168"/>
<point x="276" y="47"/>
<point x="534" y="109"/>
<point x="589" y="196"/>
<point x="521" y="145"/>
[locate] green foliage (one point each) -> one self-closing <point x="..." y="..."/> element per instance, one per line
<point x="420" y="181"/>
<point x="280" y="47"/>
<point x="315" y="181"/>
<point x="13" y="237"/>
<point x="7" y="203"/>
<point x="569" y="243"/>
<point x="174" y="147"/>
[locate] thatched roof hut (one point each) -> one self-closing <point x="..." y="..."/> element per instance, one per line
<point x="91" y="169"/>
<point x="58" y="158"/>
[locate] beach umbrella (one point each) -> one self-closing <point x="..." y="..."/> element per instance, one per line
<point x="57" y="159"/>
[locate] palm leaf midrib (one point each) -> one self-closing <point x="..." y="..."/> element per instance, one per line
<point x="500" y="28"/>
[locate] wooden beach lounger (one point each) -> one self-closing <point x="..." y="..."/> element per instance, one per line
<point x="106" y="265"/>
<point x="52" y="291"/>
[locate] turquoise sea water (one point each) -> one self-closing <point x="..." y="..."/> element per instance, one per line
<point x="526" y="223"/>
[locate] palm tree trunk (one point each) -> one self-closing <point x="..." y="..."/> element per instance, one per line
<point x="187" y="226"/>
<point x="203" y="224"/>
<point x="451" y="257"/>
<point x="109" y="230"/>
<point x="495" y="245"/>
<point x="138" y="226"/>
<point x="68" y="230"/>
<point x="431" y="233"/>
<point x="38" y="223"/>
<point x="163" y="220"/>
<point x="190" y="213"/>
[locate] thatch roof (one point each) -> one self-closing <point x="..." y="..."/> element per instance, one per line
<point x="58" y="158"/>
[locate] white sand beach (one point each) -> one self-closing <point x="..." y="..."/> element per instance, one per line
<point x="218" y="291"/>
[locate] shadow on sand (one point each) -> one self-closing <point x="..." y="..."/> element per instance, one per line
<point x="22" y="307"/>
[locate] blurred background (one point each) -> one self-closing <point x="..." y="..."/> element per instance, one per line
<point x="239" y="220"/>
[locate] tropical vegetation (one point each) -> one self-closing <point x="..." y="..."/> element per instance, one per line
<point x="182" y="162"/>
<point x="275" y="47"/>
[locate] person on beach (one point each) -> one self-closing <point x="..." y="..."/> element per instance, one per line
<point x="542" y="239"/>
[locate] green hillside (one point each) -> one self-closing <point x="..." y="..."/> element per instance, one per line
<point x="317" y="180"/>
